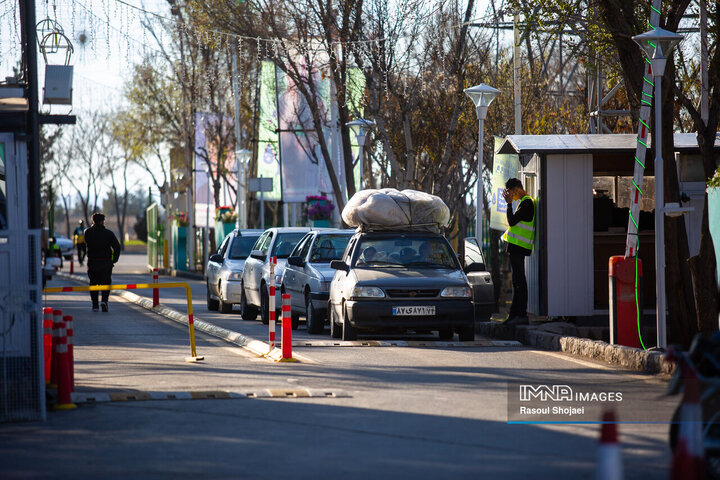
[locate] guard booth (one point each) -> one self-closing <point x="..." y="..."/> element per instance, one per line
<point x="583" y="184"/>
<point x="22" y="383"/>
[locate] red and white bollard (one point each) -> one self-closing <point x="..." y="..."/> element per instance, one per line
<point x="609" y="461"/>
<point x="286" y="328"/>
<point x="688" y="461"/>
<point x="71" y="357"/>
<point x="156" y="291"/>
<point x="271" y="303"/>
<point x="56" y="320"/>
<point x="47" y="341"/>
<point x="64" y="399"/>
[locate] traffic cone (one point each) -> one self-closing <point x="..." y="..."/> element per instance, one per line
<point x="609" y="463"/>
<point x="64" y="398"/>
<point x="57" y="319"/>
<point x="688" y="459"/>
<point x="47" y="341"/>
<point x="71" y="356"/>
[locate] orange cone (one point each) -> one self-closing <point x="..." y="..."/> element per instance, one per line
<point x="609" y="462"/>
<point x="68" y="319"/>
<point x="64" y="399"/>
<point x="688" y="459"/>
<point x="47" y="341"/>
<point x="57" y="319"/>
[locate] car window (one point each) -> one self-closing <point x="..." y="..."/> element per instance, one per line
<point x="328" y="247"/>
<point x="473" y="253"/>
<point x="348" y="251"/>
<point x="406" y="252"/>
<point x="266" y="244"/>
<point x="285" y="244"/>
<point x="241" y="247"/>
<point x="223" y="246"/>
<point x="303" y="247"/>
<point x="260" y="241"/>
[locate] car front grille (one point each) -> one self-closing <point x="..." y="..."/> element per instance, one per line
<point x="411" y="293"/>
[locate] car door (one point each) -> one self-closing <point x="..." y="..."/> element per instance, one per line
<point x="213" y="268"/>
<point x="253" y="265"/>
<point x="337" y="286"/>
<point x="483" y="291"/>
<point x="300" y="274"/>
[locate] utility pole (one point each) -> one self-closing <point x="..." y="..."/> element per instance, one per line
<point x="29" y="41"/>
<point x="241" y="167"/>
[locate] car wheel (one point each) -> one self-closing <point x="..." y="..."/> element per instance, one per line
<point x="446" y="333"/>
<point x="264" y="305"/>
<point x="248" y="311"/>
<point x="224" y="307"/>
<point x="294" y="320"/>
<point x="467" y="334"/>
<point x="315" y="324"/>
<point x="349" y="332"/>
<point x="335" y="331"/>
<point x="212" y="304"/>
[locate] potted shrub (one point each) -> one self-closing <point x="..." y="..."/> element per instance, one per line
<point x="319" y="209"/>
<point x="225" y="218"/>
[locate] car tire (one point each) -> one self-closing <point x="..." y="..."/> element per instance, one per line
<point x="264" y="305"/>
<point x="349" y="333"/>
<point x="224" y="307"/>
<point x="335" y="331"/>
<point x="212" y="304"/>
<point x="248" y="311"/>
<point x="294" y="320"/>
<point x="466" y="334"/>
<point x="446" y="333"/>
<point x="315" y="323"/>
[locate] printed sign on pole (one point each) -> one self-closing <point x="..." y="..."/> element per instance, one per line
<point x="505" y="167"/>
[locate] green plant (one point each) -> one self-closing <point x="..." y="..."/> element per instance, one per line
<point x="181" y="219"/>
<point x="225" y="215"/>
<point x="715" y="180"/>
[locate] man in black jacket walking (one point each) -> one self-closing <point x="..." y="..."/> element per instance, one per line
<point x="103" y="251"/>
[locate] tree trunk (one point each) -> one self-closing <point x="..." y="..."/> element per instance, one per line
<point x="702" y="267"/>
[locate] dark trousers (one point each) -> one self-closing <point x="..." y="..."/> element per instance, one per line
<point x="519" y="283"/>
<point x="100" y="273"/>
<point x="82" y="251"/>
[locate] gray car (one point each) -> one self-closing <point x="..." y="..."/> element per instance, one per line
<point x="308" y="275"/>
<point x="254" y="290"/>
<point x="224" y="269"/>
<point x="390" y="280"/>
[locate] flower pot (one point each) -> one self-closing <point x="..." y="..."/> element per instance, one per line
<point x="179" y="246"/>
<point x="221" y="231"/>
<point x="321" y="223"/>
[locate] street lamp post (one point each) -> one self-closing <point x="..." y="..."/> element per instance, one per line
<point x="360" y="128"/>
<point x="657" y="45"/>
<point x="482" y="96"/>
<point x="242" y="158"/>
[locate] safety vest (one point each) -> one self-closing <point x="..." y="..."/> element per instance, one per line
<point x="79" y="236"/>
<point x="522" y="233"/>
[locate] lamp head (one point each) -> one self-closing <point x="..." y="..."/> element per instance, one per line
<point x="658" y="43"/>
<point x="360" y="128"/>
<point x="482" y="95"/>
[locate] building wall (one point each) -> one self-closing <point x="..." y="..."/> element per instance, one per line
<point x="569" y="235"/>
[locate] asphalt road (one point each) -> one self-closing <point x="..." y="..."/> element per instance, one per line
<point x="401" y="411"/>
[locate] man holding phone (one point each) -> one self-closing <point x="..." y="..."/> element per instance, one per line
<point x="520" y="237"/>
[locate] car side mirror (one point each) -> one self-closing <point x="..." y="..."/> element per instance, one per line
<point x="339" y="265"/>
<point x="217" y="258"/>
<point x="296" y="262"/>
<point x="258" y="254"/>
<point x="475" y="267"/>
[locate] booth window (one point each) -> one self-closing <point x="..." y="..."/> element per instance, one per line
<point x="611" y="203"/>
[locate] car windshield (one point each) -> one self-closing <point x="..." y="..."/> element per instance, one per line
<point x="409" y="252"/>
<point x="329" y="247"/>
<point x="285" y="244"/>
<point x="241" y="247"/>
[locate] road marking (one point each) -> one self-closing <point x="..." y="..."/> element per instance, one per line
<point x="90" y="398"/>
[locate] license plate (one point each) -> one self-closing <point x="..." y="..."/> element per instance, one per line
<point x="408" y="311"/>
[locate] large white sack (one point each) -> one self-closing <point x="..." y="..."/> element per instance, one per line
<point x="390" y="208"/>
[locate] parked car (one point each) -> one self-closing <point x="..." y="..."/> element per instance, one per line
<point x="308" y="274"/>
<point x="66" y="246"/>
<point x="225" y="268"/>
<point x="254" y="291"/>
<point x="400" y="280"/>
<point x="483" y="289"/>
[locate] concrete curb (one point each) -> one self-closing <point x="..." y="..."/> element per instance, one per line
<point x="626" y="357"/>
<point x="253" y="345"/>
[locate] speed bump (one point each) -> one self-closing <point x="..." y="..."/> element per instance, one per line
<point x="91" y="398"/>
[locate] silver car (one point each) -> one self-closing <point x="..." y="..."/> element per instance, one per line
<point x="254" y="290"/>
<point x="308" y="275"/>
<point x="225" y="268"/>
<point x="66" y="246"/>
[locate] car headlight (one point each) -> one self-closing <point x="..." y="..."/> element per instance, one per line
<point x="368" y="292"/>
<point x="235" y="276"/>
<point x="457" y="292"/>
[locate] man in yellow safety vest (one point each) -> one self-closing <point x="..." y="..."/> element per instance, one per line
<point x="520" y="237"/>
<point x="79" y="238"/>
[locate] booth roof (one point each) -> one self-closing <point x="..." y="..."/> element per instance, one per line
<point x="528" y="144"/>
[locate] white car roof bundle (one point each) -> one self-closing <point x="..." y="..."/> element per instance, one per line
<point x="391" y="209"/>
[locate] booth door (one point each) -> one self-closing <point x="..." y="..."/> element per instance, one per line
<point x="532" y="263"/>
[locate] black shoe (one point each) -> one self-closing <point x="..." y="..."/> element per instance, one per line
<point x="517" y="320"/>
<point x="104" y="306"/>
<point x="96" y="308"/>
